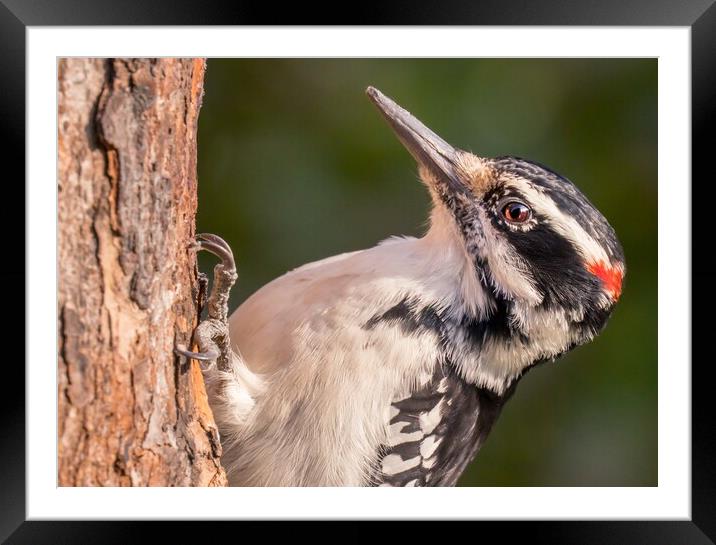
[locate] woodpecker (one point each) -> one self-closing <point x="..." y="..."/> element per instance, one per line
<point x="389" y="366"/>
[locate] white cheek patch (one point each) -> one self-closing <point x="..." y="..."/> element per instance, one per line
<point x="509" y="272"/>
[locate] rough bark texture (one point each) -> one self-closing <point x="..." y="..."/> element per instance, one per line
<point x="130" y="411"/>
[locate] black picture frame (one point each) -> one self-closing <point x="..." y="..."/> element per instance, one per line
<point x="699" y="15"/>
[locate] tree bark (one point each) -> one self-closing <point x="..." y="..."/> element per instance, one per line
<point x="129" y="411"/>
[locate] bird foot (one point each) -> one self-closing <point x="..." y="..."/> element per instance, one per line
<point x="212" y="335"/>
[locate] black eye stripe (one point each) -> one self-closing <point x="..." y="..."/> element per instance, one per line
<point x="566" y="196"/>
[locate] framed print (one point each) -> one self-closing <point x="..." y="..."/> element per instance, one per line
<point x="258" y="133"/>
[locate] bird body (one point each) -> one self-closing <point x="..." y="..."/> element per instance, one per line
<point x="336" y="358"/>
<point x="388" y="366"/>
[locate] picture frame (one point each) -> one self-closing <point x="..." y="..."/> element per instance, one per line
<point x="699" y="16"/>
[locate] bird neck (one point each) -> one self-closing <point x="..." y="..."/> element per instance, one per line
<point x="491" y="341"/>
<point x="445" y="256"/>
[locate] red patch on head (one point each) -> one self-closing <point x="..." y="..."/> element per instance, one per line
<point x="611" y="277"/>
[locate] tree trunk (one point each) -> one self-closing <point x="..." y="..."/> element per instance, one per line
<point x="130" y="411"/>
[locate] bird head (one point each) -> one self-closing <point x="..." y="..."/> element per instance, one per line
<point x="538" y="246"/>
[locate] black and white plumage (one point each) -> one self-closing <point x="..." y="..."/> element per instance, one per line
<point x="437" y="430"/>
<point x="389" y="366"/>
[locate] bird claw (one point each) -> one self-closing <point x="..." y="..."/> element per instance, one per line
<point x="203" y="358"/>
<point x="218" y="247"/>
<point x="212" y="334"/>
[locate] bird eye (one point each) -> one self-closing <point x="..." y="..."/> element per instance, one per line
<point x="516" y="212"/>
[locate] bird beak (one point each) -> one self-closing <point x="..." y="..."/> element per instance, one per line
<point x="428" y="149"/>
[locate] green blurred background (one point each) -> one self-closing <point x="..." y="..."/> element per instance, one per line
<point x="295" y="164"/>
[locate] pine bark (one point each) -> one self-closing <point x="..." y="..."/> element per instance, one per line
<point x="130" y="412"/>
